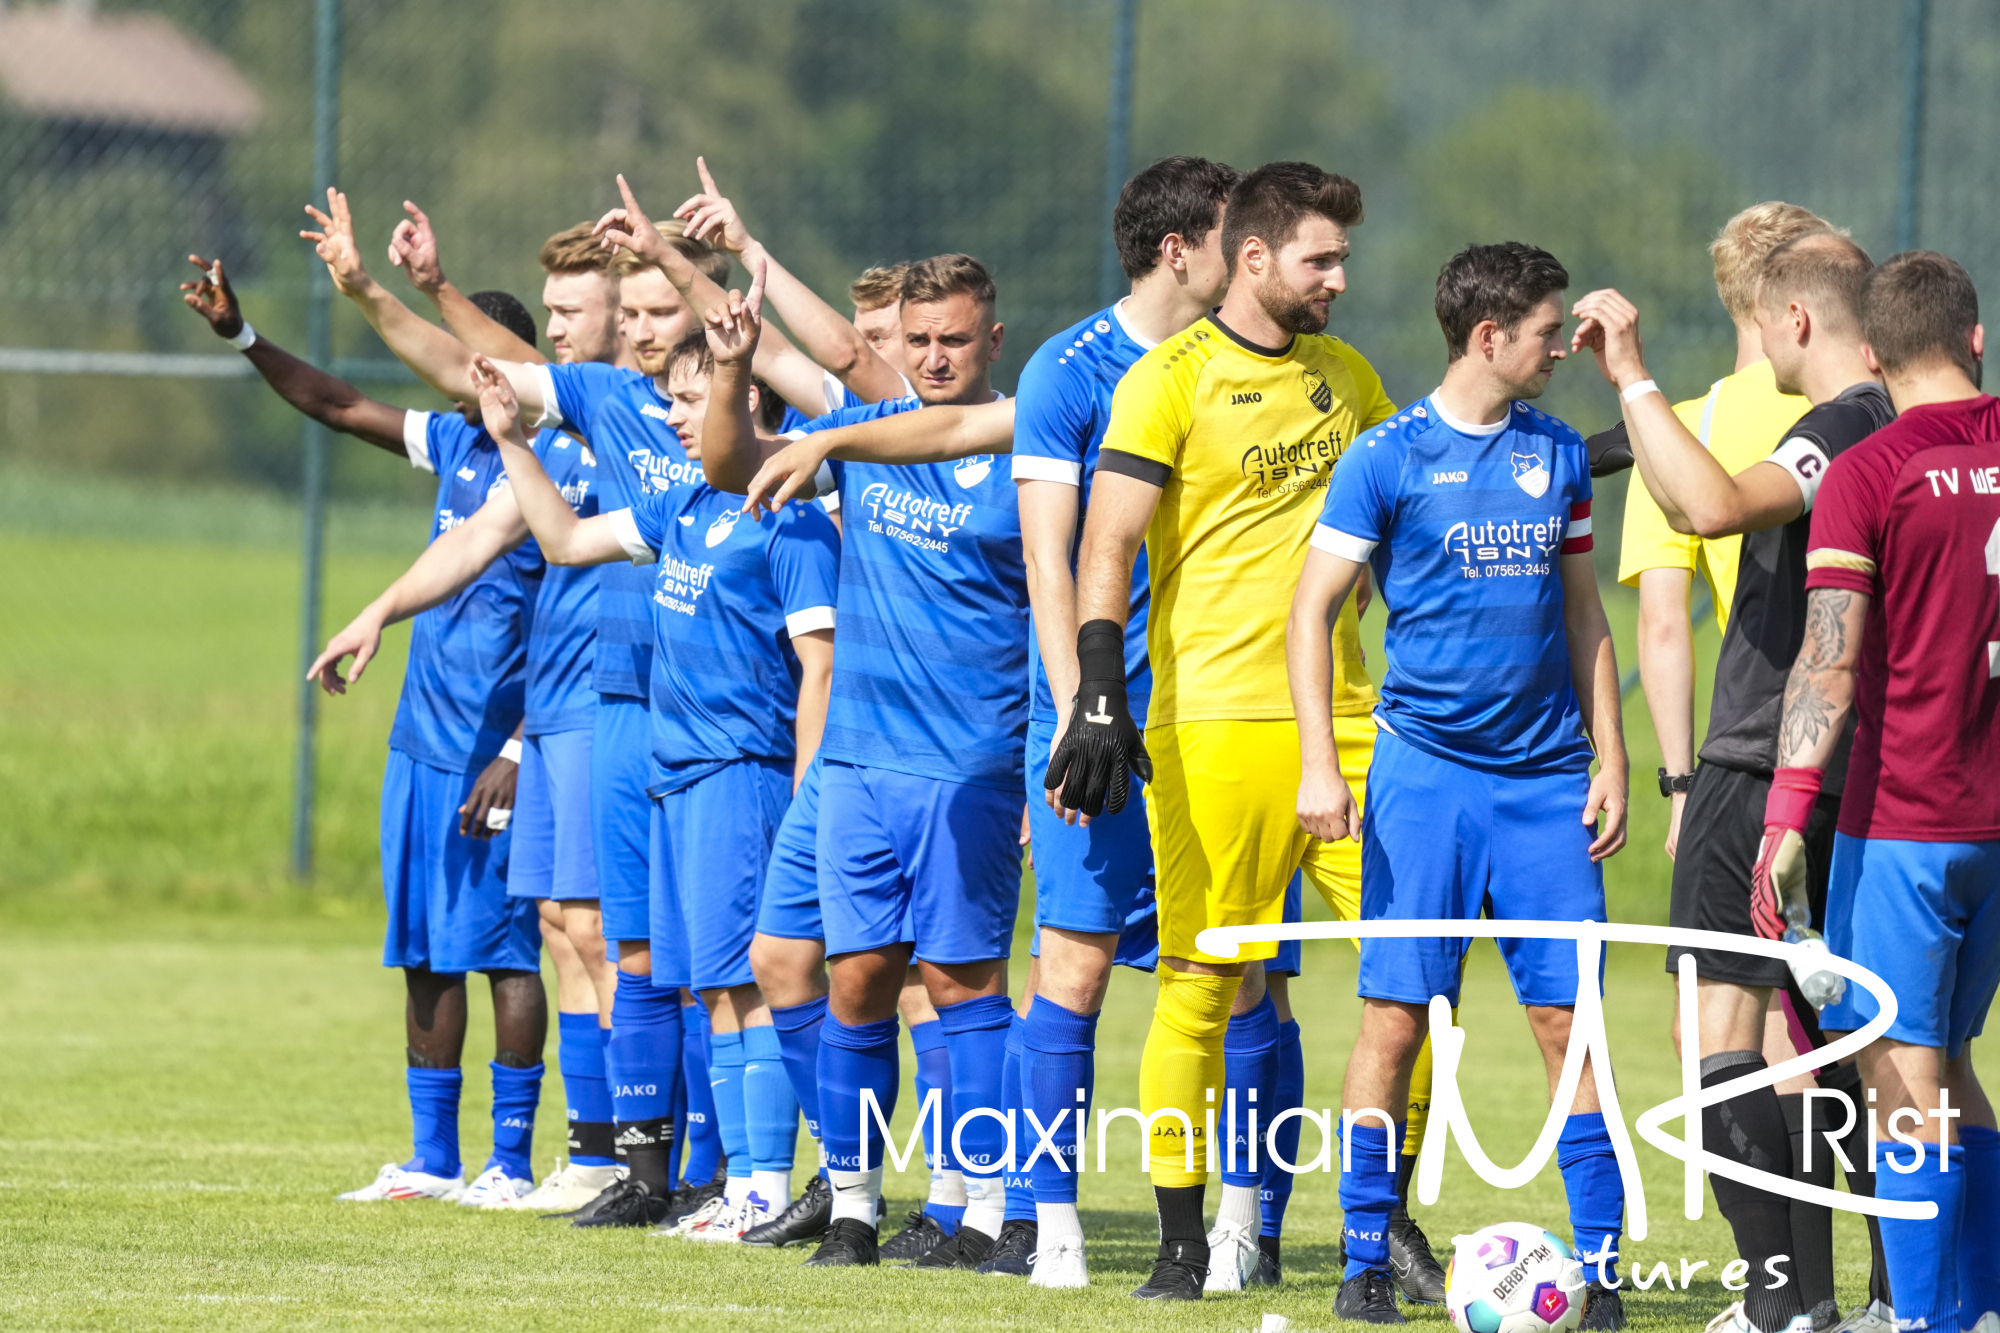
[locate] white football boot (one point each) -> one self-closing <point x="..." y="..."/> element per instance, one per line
<point x="496" y="1189"/>
<point x="1060" y="1264"/>
<point x="701" y="1219"/>
<point x="1232" y="1257"/>
<point x="568" y="1188"/>
<point x="728" y="1229"/>
<point x="393" y="1182"/>
<point x="1733" y="1320"/>
<point x="1874" y="1317"/>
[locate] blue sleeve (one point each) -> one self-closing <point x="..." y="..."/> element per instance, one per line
<point x="805" y="558"/>
<point x="451" y="439"/>
<point x="1053" y="410"/>
<point x="650" y="517"/>
<point x="580" y="388"/>
<point x="1361" y="502"/>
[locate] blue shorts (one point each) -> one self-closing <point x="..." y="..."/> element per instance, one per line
<point x="1097" y="879"/>
<point x="789" y="908"/>
<point x="1443" y="842"/>
<point x="1924" y="917"/>
<point x="1291" y="952"/>
<point x="552" y="856"/>
<point x="447" y="894"/>
<point x="717" y="832"/>
<point x="621" y="813"/>
<point x="904" y="858"/>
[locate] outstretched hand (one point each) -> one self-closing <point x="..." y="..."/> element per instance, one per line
<point x="784" y="475"/>
<point x="628" y="228"/>
<point x="413" y="247"/>
<point x="497" y="403"/>
<point x="335" y="245"/>
<point x="734" y="326"/>
<point x="211" y="297"/>
<point x="1608" y="327"/>
<point x="711" y="218"/>
<point x="363" y="639"/>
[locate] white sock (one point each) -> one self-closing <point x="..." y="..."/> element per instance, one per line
<point x="1054" y="1221"/>
<point x="985" y="1204"/>
<point x="735" y="1190"/>
<point x="855" y="1193"/>
<point x="948" y="1188"/>
<point x="1240" y="1207"/>
<point x="773" y="1187"/>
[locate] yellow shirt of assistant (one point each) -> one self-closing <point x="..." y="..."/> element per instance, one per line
<point x="1245" y="442"/>
<point x="1741" y="420"/>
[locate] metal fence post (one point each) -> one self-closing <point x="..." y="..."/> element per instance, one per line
<point x="1910" y="173"/>
<point x="1117" y="139"/>
<point x="319" y="350"/>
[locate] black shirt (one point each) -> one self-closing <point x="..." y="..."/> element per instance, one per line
<point x="1767" y="621"/>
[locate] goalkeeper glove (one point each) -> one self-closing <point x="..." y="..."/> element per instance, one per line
<point x="1780" y="875"/>
<point x="1101" y="748"/>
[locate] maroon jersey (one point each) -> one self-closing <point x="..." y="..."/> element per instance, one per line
<point x="1911" y="517"/>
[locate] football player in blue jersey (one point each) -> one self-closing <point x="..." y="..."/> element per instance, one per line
<point x="444" y="868"/>
<point x="1473" y="510"/>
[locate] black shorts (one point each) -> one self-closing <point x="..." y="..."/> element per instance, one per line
<point x="1722" y="829"/>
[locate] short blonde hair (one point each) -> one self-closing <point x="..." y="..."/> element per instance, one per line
<point x="576" y="250"/>
<point x="1747" y="240"/>
<point x="879" y="286"/>
<point x="710" y="261"/>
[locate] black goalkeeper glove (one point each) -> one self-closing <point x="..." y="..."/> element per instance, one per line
<point x="1102" y="747"/>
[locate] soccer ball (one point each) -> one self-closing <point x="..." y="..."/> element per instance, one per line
<point x="1514" y="1277"/>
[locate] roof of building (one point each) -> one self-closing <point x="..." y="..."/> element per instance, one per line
<point x="68" y="62"/>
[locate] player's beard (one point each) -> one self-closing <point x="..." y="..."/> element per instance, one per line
<point x="1291" y="311"/>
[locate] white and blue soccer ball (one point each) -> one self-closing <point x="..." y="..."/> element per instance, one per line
<point x="1514" y="1277"/>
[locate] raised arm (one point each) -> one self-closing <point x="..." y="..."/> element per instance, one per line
<point x="331" y="401"/>
<point x="1695" y="492"/>
<point x="790" y="469"/>
<point x="564" y="538"/>
<point x="827" y="336"/>
<point x="1593" y="668"/>
<point x="1326" y="805"/>
<point x="413" y="248"/>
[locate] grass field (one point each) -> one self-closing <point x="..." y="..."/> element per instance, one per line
<point x="199" y="1055"/>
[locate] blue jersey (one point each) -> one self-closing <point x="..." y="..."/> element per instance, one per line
<point x="464" y="687"/>
<point x="729" y="594"/>
<point x="1464" y="527"/>
<point x="1061" y="409"/>
<point x="930" y="668"/>
<point x="561" y="645"/>
<point x="624" y="418"/>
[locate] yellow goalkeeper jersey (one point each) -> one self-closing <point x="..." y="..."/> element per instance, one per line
<point x="1244" y="440"/>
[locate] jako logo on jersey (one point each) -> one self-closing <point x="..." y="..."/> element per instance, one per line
<point x="1530" y="474"/>
<point x="1511" y="540"/>
<point x="1317" y="389"/>
<point x="969" y="472"/>
<point x="1275" y="464"/>
<point x="1447" y="478"/>
<point x="919" y="513"/>
<point x="466" y="474"/>
<point x="653" y="410"/>
<point x="1238" y="399"/>
<point x="662" y="474"/>
<point x="718" y="531"/>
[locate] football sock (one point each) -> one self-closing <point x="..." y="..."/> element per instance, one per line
<point x="854" y="1194"/>
<point x="1181" y="1208"/>
<point x="643" y="1061"/>
<point x="434" y="1114"/>
<point x="946" y="1203"/>
<point x="798" y="1027"/>
<point x="683" y="1140"/>
<point x="1420" y="1108"/>
<point x="1750" y="1129"/>
<point x="580" y="1048"/>
<point x="1020" y="1192"/>
<point x="1290" y="1092"/>
<point x="1271" y="1247"/>
<point x="704" y="1134"/>
<point x="1250" y="1076"/>
<point x="1845" y="1078"/>
<point x="1367" y="1194"/>
<point x="1979" y="1231"/>
<point x="1923" y="1256"/>
<point x="852" y="1060"/>
<point x="1182" y="1068"/>
<point x="1060" y="1073"/>
<point x="725" y="1087"/>
<point x="975" y="1034"/>
<point x="770" y="1112"/>
<point x="947" y="1198"/>
<point x="1239" y="1207"/>
<point x="516" y="1094"/>
<point x="1596" y="1192"/>
<point x="1812" y="1223"/>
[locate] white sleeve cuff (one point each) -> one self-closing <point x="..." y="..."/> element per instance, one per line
<point x="823" y="482"/>
<point x="834" y="390"/>
<point x="551" y="412"/>
<point x="626" y="529"/>
<point x="1805" y="462"/>
<point x="830" y="502"/>
<point x="808" y="620"/>
<point x="1036" y="467"/>
<point x="417" y="440"/>
<point x="1343" y="544"/>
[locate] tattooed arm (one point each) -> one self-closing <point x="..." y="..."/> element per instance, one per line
<point x="1821" y="688"/>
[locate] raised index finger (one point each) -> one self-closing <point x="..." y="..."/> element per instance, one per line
<point x="707" y="181"/>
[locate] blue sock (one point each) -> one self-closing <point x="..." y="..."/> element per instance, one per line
<point x="1249" y="1064"/>
<point x="725" y="1088"/>
<point x="1923" y="1256"/>
<point x="798" y="1033"/>
<point x="516" y="1094"/>
<point x="434" y="1113"/>
<point x="704" y="1135"/>
<point x="1290" y="1091"/>
<point x="1979" y="1230"/>
<point x="642" y="1060"/>
<point x="1596" y="1191"/>
<point x="934" y="1071"/>
<point x="1059" y="1047"/>
<point x="770" y="1111"/>
<point x="1020" y="1191"/>
<point x="580" y="1048"/>
<point x="1368" y="1194"/>
<point x="975" y="1033"/>
<point x="853" y="1060"/>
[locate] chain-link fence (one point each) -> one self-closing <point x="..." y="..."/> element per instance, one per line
<point x="853" y="132"/>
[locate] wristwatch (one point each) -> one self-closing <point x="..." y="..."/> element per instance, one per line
<point x="1679" y="782"/>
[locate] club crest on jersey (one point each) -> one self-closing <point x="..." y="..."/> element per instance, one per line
<point x="1317" y="389"/>
<point x="969" y="472"/>
<point x="718" y="531"/>
<point x="1531" y="474"/>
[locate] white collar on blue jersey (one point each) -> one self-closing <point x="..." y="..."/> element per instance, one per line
<point x="1118" y="313"/>
<point x="1466" y="427"/>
